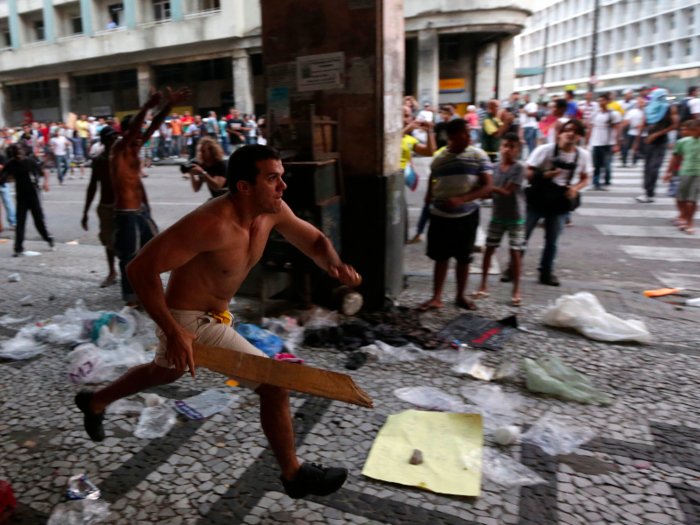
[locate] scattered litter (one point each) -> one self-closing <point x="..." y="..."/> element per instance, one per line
<point x="79" y="512"/>
<point x="549" y="375"/>
<point x="472" y="366"/>
<point x="91" y="364"/>
<point x="260" y="338"/>
<point x="319" y="318"/>
<point x="500" y="468"/>
<point x="290" y="358"/>
<point x="287" y="329"/>
<point x="73" y="242"/>
<point x="416" y="457"/>
<point x="7" y="498"/>
<point x="80" y="487"/>
<point x="153" y="400"/>
<point x="583" y="312"/>
<point x="14" y="278"/>
<point x="661" y="292"/>
<point x="479" y="332"/>
<point x="23" y="346"/>
<point x="117" y="325"/>
<point x="356" y="360"/>
<point x="349" y="301"/>
<point x="530" y="331"/>
<point x="8" y="319"/>
<point x="125" y="406"/>
<point x="205" y="404"/>
<point x="693" y="302"/>
<point x="492" y="399"/>
<point x="506" y="370"/>
<point x="431" y="398"/>
<point x="452" y="357"/>
<point x="26" y="300"/>
<point x="557" y="434"/>
<point x="391" y="354"/>
<point x="30" y="253"/>
<point x="507" y="435"/>
<point x="232" y="382"/>
<point x="155" y="422"/>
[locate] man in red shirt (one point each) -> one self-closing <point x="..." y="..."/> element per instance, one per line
<point x="186" y="119"/>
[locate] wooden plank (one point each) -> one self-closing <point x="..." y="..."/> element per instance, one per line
<point x="291" y="376"/>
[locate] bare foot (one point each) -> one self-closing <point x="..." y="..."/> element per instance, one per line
<point x="466" y="303"/>
<point x="433" y="304"/>
<point x="133" y="304"/>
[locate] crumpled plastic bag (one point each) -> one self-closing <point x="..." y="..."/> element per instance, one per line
<point x="431" y="398"/>
<point x="125" y="406"/>
<point x="492" y="399"/>
<point x="261" y="339"/>
<point x="472" y="366"/>
<point x="558" y="435"/>
<point x="205" y="404"/>
<point x="24" y="345"/>
<point x="320" y="318"/>
<point x="583" y="312"/>
<point x="155" y="422"/>
<point x="287" y="329"/>
<point x="91" y="364"/>
<point x="549" y="375"/>
<point x="500" y="468"/>
<point x="394" y="354"/>
<point x="80" y="512"/>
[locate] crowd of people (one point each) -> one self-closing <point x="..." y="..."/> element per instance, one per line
<point x="478" y="159"/>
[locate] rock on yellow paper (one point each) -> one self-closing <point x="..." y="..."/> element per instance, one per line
<point x="442" y="438"/>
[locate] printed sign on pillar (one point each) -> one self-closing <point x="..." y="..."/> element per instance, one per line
<point x="326" y="71"/>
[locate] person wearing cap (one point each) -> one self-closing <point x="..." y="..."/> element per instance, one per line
<point x="105" y="209"/>
<point x="426" y="114"/>
<point x="92" y="125"/>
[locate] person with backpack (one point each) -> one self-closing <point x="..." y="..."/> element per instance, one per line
<point x="689" y="107"/>
<point x="604" y="136"/>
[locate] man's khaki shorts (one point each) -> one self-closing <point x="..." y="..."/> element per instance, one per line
<point x="209" y="331"/>
<point x="105" y="212"/>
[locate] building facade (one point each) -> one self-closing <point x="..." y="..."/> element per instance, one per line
<point x="102" y="57"/>
<point x="640" y="42"/>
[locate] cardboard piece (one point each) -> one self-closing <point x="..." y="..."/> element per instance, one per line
<point x="292" y="376"/>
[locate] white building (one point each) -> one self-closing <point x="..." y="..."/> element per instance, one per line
<point x="640" y="42"/>
<point x="101" y="57"/>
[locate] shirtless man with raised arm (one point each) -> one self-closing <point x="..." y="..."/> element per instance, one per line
<point x="209" y="253"/>
<point x="133" y="226"/>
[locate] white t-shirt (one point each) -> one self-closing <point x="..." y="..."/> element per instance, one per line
<point x="603" y="133"/>
<point x="525" y="120"/>
<point x="542" y="157"/>
<point x="253" y="128"/>
<point x="425" y="115"/>
<point x="92" y="126"/>
<point x="627" y="105"/>
<point x="634" y="116"/>
<point x="694" y="106"/>
<point x="551" y="133"/>
<point x="60" y="145"/>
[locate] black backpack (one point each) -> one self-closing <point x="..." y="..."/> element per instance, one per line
<point x="684" y="110"/>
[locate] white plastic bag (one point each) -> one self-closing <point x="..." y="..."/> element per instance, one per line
<point x="583" y="312"/>
<point x="24" y="345"/>
<point x="557" y="434"/>
<point x="492" y="399"/>
<point x="287" y="329"/>
<point x="472" y="366"/>
<point x="80" y="512"/>
<point x="431" y="398"/>
<point x="125" y="406"/>
<point x="155" y="422"/>
<point x="91" y="364"/>
<point x="205" y="404"/>
<point x="500" y="468"/>
<point x="394" y="354"/>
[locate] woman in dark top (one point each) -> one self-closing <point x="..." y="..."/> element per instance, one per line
<point x="210" y="168"/>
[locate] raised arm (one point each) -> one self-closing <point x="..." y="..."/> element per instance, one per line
<point x="171" y="100"/>
<point x="132" y="132"/>
<point x="315" y="245"/>
<point x="169" y="250"/>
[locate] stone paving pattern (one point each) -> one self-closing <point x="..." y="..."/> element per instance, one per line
<point x="643" y="468"/>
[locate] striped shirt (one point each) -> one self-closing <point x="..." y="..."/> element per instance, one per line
<point x="453" y="175"/>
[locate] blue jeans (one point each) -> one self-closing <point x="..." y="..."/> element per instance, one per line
<point x="553" y="226"/>
<point x="424" y="217"/>
<point x="61" y="166"/>
<point x="132" y="230"/>
<point x="530" y="136"/>
<point x="7" y="202"/>
<point x="223" y="139"/>
<point x="602" y="158"/>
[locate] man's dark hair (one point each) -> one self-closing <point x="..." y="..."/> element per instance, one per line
<point x="12" y="151"/>
<point x="606" y="96"/>
<point x="560" y="103"/>
<point x="126" y="121"/>
<point x="691" y="90"/>
<point x="579" y="128"/>
<point x="570" y="92"/>
<point x="456" y="126"/>
<point x="243" y="163"/>
<point x="511" y="136"/>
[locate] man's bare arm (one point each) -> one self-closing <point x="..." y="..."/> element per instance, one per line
<point x="91" y="191"/>
<point x="315" y="245"/>
<point x="135" y="125"/>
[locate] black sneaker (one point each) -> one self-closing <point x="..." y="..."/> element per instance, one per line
<point x="356" y="360"/>
<point x="315" y="479"/>
<point x="93" y="422"/>
<point x="549" y="279"/>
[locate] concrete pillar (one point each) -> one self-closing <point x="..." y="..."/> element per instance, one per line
<point x="49" y="29"/>
<point x="14" y="24"/>
<point x="64" y="95"/>
<point x="130" y="14"/>
<point x="2" y="106"/>
<point x="175" y="10"/>
<point x="506" y="70"/>
<point x="86" y="16"/>
<point x="486" y="72"/>
<point x="144" y="75"/>
<point x="242" y="82"/>
<point x="428" y="67"/>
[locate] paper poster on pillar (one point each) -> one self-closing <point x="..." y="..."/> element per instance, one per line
<point x="278" y="102"/>
<point x="315" y="72"/>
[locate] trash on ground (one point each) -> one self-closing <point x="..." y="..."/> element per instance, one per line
<point x="125" y="406"/>
<point x="391" y="354"/>
<point x="661" y="292"/>
<point x="26" y="300"/>
<point x="79" y="512"/>
<point x="356" y="360"/>
<point x="492" y="398"/>
<point x="8" y="319"/>
<point x="540" y="333"/>
<point x="472" y="366"/>
<point x="451" y="434"/>
<point x="507" y="435"/>
<point x="155" y="422"/>
<point x="431" y="398"/>
<point x="7" y="498"/>
<point x="153" y="400"/>
<point x="506" y="370"/>
<point x="416" y="457"/>
<point x="232" y="382"/>
<point x="205" y="404"/>
<point x="501" y="469"/>
<point x="583" y="312"/>
<point x="287" y="329"/>
<point x="14" y="278"/>
<point x="91" y="364"/>
<point x="452" y="357"/>
<point x="118" y="325"/>
<point x="693" y="302"/>
<point x="80" y="487"/>
<point x="261" y="339"/>
<point x="23" y="346"/>
<point x="479" y="332"/>
<point x="318" y="318"/>
<point x="290" y="358"/>
<point x="348" y="301"/>
<point x="549" y="375"/>
<point x="30" y="253"/>
<point x="557" y="434"/>
<point x="405" y="323"/>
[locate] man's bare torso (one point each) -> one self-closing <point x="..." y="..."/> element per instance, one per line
<point x="209" y="280"/>
<point x="125" y="172"/>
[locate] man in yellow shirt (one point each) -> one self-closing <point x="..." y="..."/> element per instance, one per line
<point x="614" y="105"/>
<point x="82" y="126"/>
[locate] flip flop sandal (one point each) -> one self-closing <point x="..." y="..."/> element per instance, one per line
<point x="689" y="230"/>
<point x="516" y="301"/>
<point x="426" y="307"/>
<point x="108" y="282"/>
<point x="479" y="295"/>
<point x="467" y="305"/>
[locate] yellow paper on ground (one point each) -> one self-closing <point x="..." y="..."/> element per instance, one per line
<point x="442" y="438"/>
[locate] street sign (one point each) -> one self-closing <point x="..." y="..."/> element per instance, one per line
<point x="594" y="80"/>
<point x="542" y="91"/>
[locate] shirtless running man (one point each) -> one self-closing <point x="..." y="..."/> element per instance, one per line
<point x="133" y="226"/>
<point x="209" y="253"/>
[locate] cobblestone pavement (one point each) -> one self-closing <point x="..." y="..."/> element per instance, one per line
<point x="642" y="468"/>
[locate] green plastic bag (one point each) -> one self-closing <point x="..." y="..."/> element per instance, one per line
<point x="549" y="375"/>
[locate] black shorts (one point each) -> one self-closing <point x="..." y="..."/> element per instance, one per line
<point x="452" y="237"/>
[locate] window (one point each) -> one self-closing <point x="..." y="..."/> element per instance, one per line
<point x="652" y="54"/>
<point x="77" y="25"/>
<point x="6" y="38"/>
<point x="16" y="92"/>
<point x="161" y="9"/>
<point x="669" y="51"/>
<point x="38" y="30"/>
<point x="99" y="82"/>
<point x="127" y="79"/>
<point x="208" y="5"/>
<point x="691" y="17"/>
<point x="39" y="90"/>
<point x="672" y="21"/>
<point x="116" y="12"/>
<point x="688" y="48"/>
<point x="169" y="74"/>
<point x="654" y="26"/>
<point x="449" y="48"/>
<point x="212" y="69"/>
<point x="256" y="64"/>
